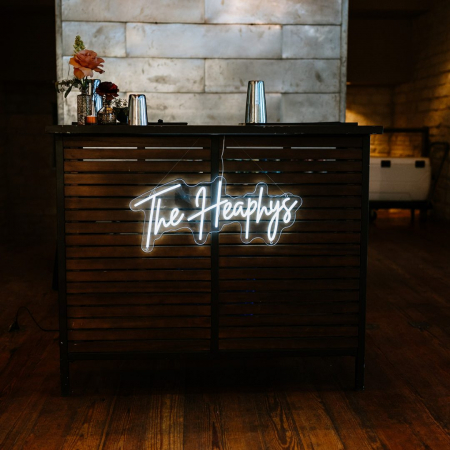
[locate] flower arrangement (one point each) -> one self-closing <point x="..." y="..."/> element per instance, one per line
<point x="85" y="62"/>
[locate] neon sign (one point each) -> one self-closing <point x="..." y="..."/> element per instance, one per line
<point x="206" y="208"/>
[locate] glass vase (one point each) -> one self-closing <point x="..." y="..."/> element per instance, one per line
<point x="107" y="115"/>
<point x="84" y="106"/>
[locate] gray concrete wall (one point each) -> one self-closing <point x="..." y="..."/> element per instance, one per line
<point x="194" y="58"/>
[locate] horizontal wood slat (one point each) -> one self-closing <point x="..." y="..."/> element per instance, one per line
<point x="237" y="309"/>
<point x="78" y="142"/>
<point x="137" y="310"/>
<point x="292" y="153"/>
<point x="301" y="295"/>
<point x="288" y="320"/>
<point x="141" y="334"/>
<point x="174" y="346"/>
<point x="138" y="322"/>
<point x="291" y="343"/>
<point x="137" y="299"/>
<point x="286" y="332"/>
<point x="138" y="286"/>
<point x="130" y="153"/>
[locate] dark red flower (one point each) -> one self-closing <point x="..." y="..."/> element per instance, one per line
<point x="108" y="90"/>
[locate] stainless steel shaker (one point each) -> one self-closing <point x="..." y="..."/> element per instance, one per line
<point x="255" y="109"/>
<point x="97" y="100"/>
<point x="137" y="105"/>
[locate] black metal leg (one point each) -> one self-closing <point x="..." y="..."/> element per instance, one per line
<point x="65" y="377"/>
<point x="359" y="373"/>
<point x="412" y="215"/>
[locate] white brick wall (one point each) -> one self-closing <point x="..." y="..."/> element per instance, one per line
<point x="194" y="58"/>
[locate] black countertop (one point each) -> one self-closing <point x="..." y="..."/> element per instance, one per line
<point x="167" y="129"/>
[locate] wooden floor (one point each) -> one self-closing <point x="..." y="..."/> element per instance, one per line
<point x="297" y="403"/>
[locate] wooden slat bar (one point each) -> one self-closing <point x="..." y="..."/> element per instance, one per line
<point x="291" y="343"/>
<point x="292" y="153"/>
<point x="138" y="322"/>
<point x="138" y="311"/>
<point x="136" y="166"/>
<point x="137" y="263"/>
<point x="288" y="308"/>
<point x="144" y="179"/>
<point x="284" y="332"/>
<point x="140" y="334"/>
<point x="181" y="345"/>
<point x="274" y="273"/>
<point x="291" y="262"/>
<point x="130" y="153"/>
<point x="139" y="286"/>
<point x="137" y="299"/>
<point x="136" y="251"/>
<point x="127" y="215"/>
<point x="294" y="141"/>
<point x="141" y="275"/>
<point x="291" y="250"/>
<point x="293" y="166"/>
<point x="287" y="285"/>
<point x="288" y="320"/>
<point x="136" y="141"/>
<point x="305" y="295"/>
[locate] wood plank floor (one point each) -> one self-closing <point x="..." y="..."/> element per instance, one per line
<point x="285" y="403"/>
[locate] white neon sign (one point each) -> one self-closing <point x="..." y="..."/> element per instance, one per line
<point x="206" y="208"/>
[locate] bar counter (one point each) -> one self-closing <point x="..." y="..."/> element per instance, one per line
<point x="303" y="296"/>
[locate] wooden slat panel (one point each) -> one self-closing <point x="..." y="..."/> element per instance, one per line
<point x="137" y="263"/>
<point x="305" y="295"/>
<point x="136" y="251"/>
<point x="139" y="286"/>
<point x="280" y="261"/>
<point x="288" y="308"/>
<point x="289" y="178"/>
<point x="133" y="216"/>
<point x="274" y="273"/>
<point x="136" y="141"/>
<point x="145" y="179"/>
<point x="136" y="299"/>
<point x="138" y="322"/>
<point x="138" y="310"/>
<point x="136" y="166"/>
<point x="291" y="343"/>
<point x="292" y="153"/>
<point x="133" y="334"/>
<point x="297" y="238"/>
<point x="288" y="285"/>
<point x="300" y="331"/>
<point x="302" y="189"/>
<point x="290" y="166"/>
<point x="140" y="346"/>
<point x="294" y="250"/>
<point x="140" y="275"/>
<point x="129" y="153"/>
<point x="288" y="320"/>
<point x="293" y="141"/>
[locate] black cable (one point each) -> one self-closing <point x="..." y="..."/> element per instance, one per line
<point x="15" y="325"/>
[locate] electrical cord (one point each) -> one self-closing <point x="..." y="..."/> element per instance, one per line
<point x="15" y="325"/>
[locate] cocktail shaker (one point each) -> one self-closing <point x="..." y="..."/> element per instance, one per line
<point x="137" y="105"/>
<point x="255" y="109"/>
<point x="97" y="100"/>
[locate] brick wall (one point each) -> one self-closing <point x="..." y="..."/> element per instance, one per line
<point x="425" y="101"/>
<point x="194" y="58"/>
<point x="370" y="105"/>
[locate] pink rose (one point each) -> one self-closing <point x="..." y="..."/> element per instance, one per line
<point x="84" y="62"/>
